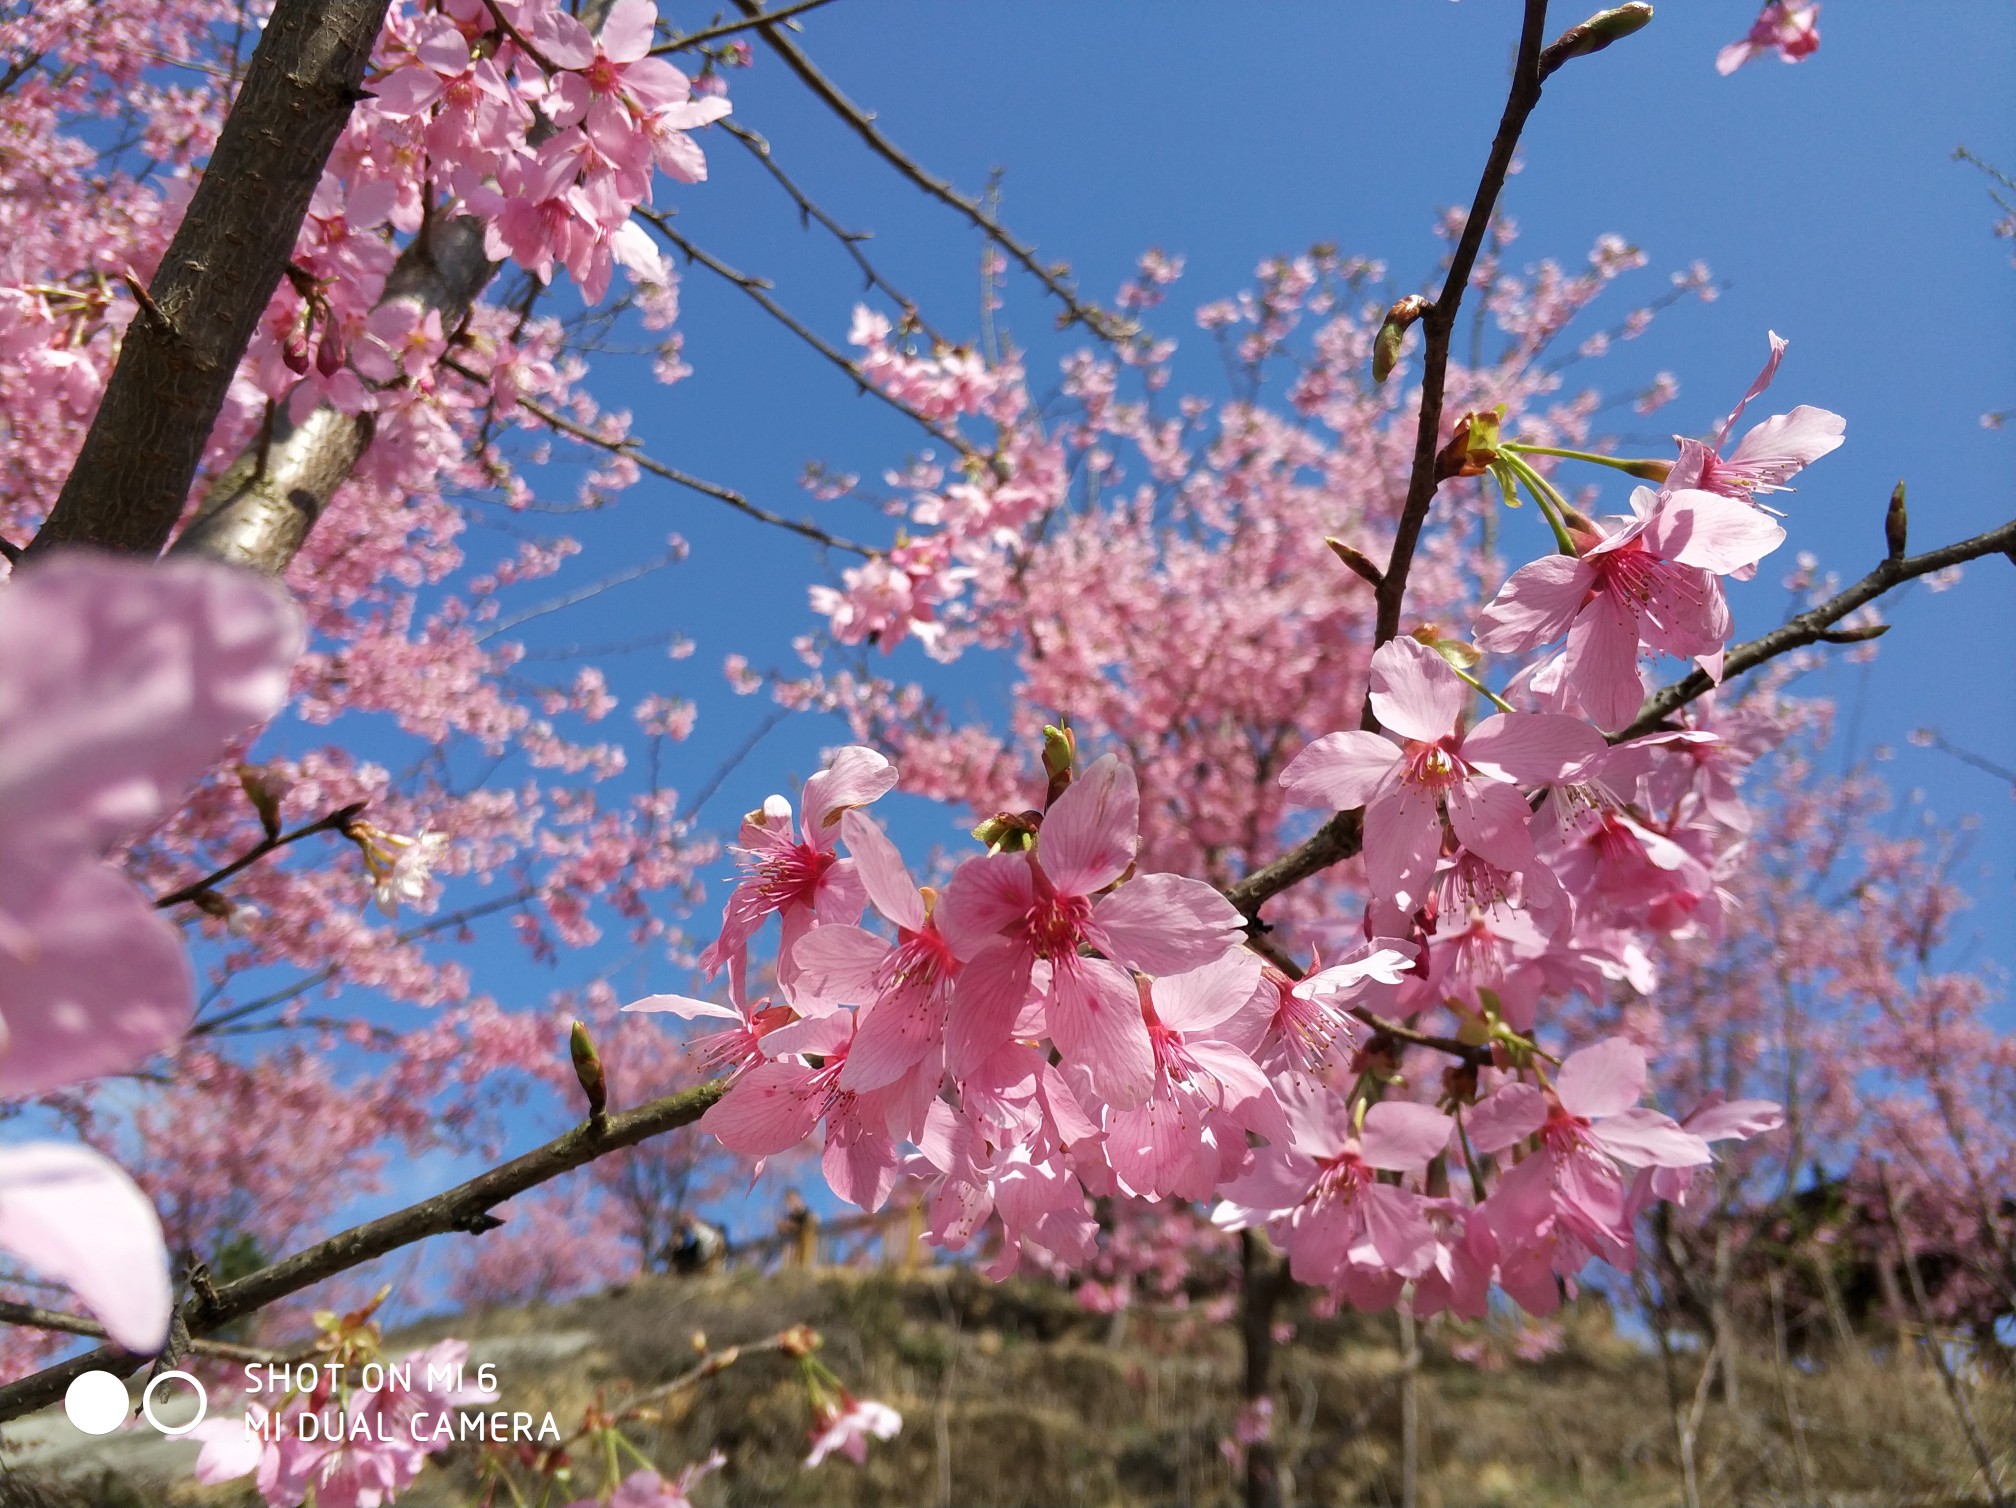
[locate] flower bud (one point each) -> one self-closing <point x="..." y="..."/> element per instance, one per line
<point x="1595" y="34"/>
<point x="1386" y="344"/>
<point x="1357" y="561"/>
<point x="1472" y="447"/>
<point x="1060" y="752"/>
<point x="264" y="793"/>
<point x="1894" y="524"/>
<point x="588" y="1069"/>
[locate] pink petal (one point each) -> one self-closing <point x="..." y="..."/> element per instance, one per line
<point x="838" y="963"/>
<point x="990" y="994"/>
<point x="1095" y="1020"/>
<point x="1090" y="833"/>
<point x="1403" y="1136"/>
<point x="684" y="1006"/>
<point x="1400" y="1233"/>
<point x="854" y="777"/>
<point x="987" y="896"/>
<point x="1603" y="662"/>
<point x="1786" y="443"/>
<point x="770" y="1109"/>
<point x="1414" y="692"/>
<point x="121" y="681"/>
<point x="1490" y="820"/>
<point x="1716" y="533"/>
<point x="75" y="1217"/>
<point x="1604" y="1078"/>
<point x="1166" y="924"/>
<point x="882" y="871"/>
<point x="1403" y="839"/>
<point x="1202" y="998"/>
<point x="1531" y="748"/>
<point x="104" y="983"/>
<point x="1342" y="771"/>
<point x="405" y="92"/>
<point x="626" y="34"/>
<point x="1777" y="342"/>
<point x="892" y="1038"/>
<point x="1647" y="1139"/>
<point x="1536" y="605"/>
<point x="1515" y="1112"/>
<point x="563" y="41"/>
<point x="1739" y="1119"/>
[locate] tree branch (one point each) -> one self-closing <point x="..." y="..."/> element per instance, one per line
<point x="178" y="358"/>
<point x="1811" y="626"/>
<point x="1439" y="322"/>
<point x="1106" y="326"/>
<point x="629" y="451"/>
<point x="463" y="1208"/>
<point x="729" y="28"/>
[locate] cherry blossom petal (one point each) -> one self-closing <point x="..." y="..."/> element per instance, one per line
<point x="890" y="887"/>
<point x="75" y="1217"/>
<point x="1166" y="924"/>
<point x="1205" y="997"/>
<point x="1737" y="1119"/>
<point x="627" y="31"/>
<point x="684" y="1006"/>
<point x="1399" y="1232"/>
<point x="1531" y="748"/>
<point x="1490" y="820"/>
<point x="1602" y="1079"/>
<point x="1403" y="837"/>
<point x="1784" y="444"/>
<point x="1414" y="692"/>
<point x="1713" y="532"/>
<point x="1095" y="1020"/>
<point x="986" y="896"/>
<point x="1090" y="832"/>
<point x="770" y="1109"/>
<point x="1647" y="1139"/>
<point x="853" y="777"/>
<point x="1513" y="1113"/>
<point x="990" y="994"/>
<point x="838" y="963"/>
<point x="1603" y="662"/>
<point x="1342" y="771"/>
<point x="1402" y="1136"/>
<point x="1536" y="606"/>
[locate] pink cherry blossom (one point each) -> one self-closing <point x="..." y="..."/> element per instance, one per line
<point x="1787" y="27"/>
<point x="847" y="1426"/>
<point x="1005" y="913"/>
<point x="799" y="879"/>
<point x="1768" y="454"/>
<point x="1403" y="777"/>
<point x="1648" y="583"/>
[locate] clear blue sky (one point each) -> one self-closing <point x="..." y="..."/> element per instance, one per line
<point x="1823" y="195"/>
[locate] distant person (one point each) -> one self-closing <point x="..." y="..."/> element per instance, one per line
<point x="698" y="1246"/>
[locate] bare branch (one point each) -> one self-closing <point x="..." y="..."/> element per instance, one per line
<point x="1811" y="626"/>
<point x="133" y="475"/>
<point x="758" y="289"/>
<point x="465" y="1207"/>
<point x="808" y="210"/>
<point x="1439" y="321"/>
<point x="729" y="28"/>
<point x="1106" y="326"/>
<point x="627" y="448"/>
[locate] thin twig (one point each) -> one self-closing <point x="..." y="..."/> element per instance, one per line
<point x="465" y="1207"/>
<point x="758" y="290"/>
<point x="627" y="448"/>
<point x="35" y="1317"/>
<point x="1810" y="627"/>
<point x="729" y="28"/>
<point x="808" y="209"/>
<point x="1107" y="326"/>
<point x="336" y="821"/>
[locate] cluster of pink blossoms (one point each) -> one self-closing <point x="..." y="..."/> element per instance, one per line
<point x="1058" y="1026"/>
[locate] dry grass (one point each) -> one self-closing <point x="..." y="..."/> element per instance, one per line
<point x="1012" y="1396"/>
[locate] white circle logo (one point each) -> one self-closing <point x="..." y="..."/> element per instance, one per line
<point x="147" y="1402"/>
<point x="96" y="1402"/>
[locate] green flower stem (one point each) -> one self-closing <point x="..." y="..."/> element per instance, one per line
<point x="1478" y="686"/>
<point x="1615" y="463"/>
<point x="1552" y="504"/>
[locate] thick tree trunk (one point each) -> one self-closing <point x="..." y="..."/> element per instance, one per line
<point x="1264" y="1280"/>
<point x="180" y="353"/>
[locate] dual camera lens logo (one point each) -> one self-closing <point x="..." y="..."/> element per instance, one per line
<point x="97" y="1403"/>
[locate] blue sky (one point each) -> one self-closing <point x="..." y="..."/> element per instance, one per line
<point x="1823" y="195"/>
